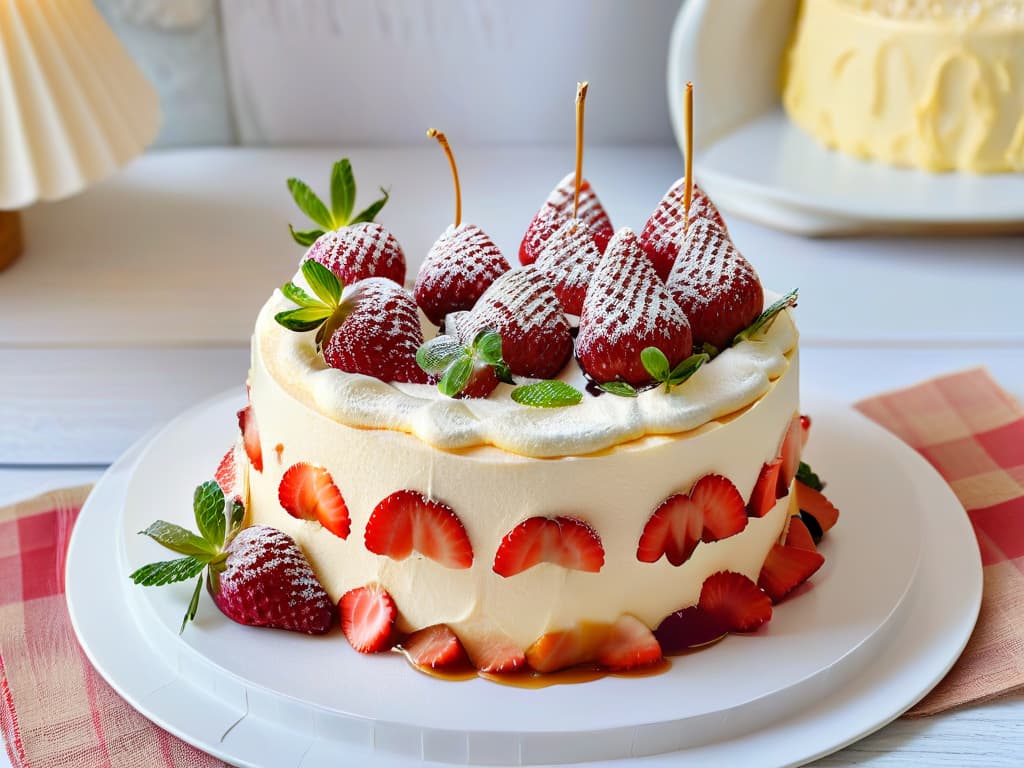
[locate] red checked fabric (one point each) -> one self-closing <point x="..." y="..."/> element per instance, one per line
<point x="972" y="432"/>
<point x="55" y="710"/>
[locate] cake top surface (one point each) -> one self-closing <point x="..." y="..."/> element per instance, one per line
<point x="996" y="11"/>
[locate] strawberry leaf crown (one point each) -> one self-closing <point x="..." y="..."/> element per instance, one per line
<point x="218" y="522"/>
<point x="343" y="198"/>
<point x="454" y="362"/>
<point x="323" y="312"/>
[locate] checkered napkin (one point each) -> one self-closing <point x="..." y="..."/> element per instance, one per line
<point x="972" y="432"/>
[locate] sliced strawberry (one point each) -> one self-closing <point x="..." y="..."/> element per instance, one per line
<point x="557" y="209"/>
<point x="628" y="644"/>
<point x="459" y="267"/>
<point x="367" y="618"/>
<point x="792" y="442"/>
<point x="762" y="498"/>
<point x="359" y="251"/>
<point x="536" y="339"/>
<point x="566" y="648"/>
<point x="786" y="568"/>
<point x="735" y="600"/>
<point x="309" y="493"/>
<point x="568" y="261"/>
<point x="227" y="473"/>
<point x="817" y="505"/>
<point x="435" y="647"/>
<point x="494" y="653"/>
<point x="408" y="521"/>
<point x="563" y="541"/>
<point x="716" y="287"/>
<point x="626" y="309"/>
<point x="712" y="511"/>
<point x="688" y="628"/>
<point x="663" y="234"/>
<point x="798" y="535"/>
<point x="251" y="437"/>
<point x="379" y="334"/>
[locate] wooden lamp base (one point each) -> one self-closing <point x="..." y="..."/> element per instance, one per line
<point x="11" y="242"/>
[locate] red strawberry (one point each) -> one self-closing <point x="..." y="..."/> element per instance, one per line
<point x="662" y="236"/>
<point x="557" y="209"/>
<point x="563" y="541"/>
<point x="251" y="437"/>
<point x="309" y="493"/>
<point x="435" y="647"/>
<point x="716" y="287"/>
<point x="627" y="308"/>
<point x="627" y="645"/>
<point x="408" y="521"/>
<point x="368" y="618"/>
<point x="568" y="261"/>
<point x="460" y="266"/>
<point x="379" y="335"/>
<point x="735" y="600"/>
<point x="494" y="653"/>
<point x="566" y="648"/>
<point x="267" y="582"/>
<point x="536" y="340"/>
<point x="798" y="535"/>
<point x="805" y="427"/>
<point x="815" y="504"/>
<point x="792" y="443"/>
<point x="712" y="511"/>
<point x="227" y="473"/>
<point x="688" y="628"/>
<point x="763" y="498"/>
<point x="786" y="568"/>
<point x="360" y="251"/>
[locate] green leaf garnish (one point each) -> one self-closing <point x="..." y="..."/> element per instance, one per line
<point x="343" y="190"/>
<point x="620" y="388"/>
<point x="208" y="505"/>
<point x="178" y="539"/>
<point x="437" y="354"/>
<point x="310" y="204"/>
<point x="292" y="292"/>
<point x="807" y="476"/>
<point x="709" y="349"/>
<point x="324" y="312"/>
<point x="168" y="571"/>
<point x="193" y="605"/>
<point x="325" y="284"/>
<point x="766" y="318"/>
<point x="456" y="362"/>
<point x="305" y="237"/>
<point x="686" y="369"/>
<point x="303" y="319"/>
<point x="343" y="198"/>
<point x="456" y="376"/>
<point x="369" y="213"/>
<point x="488" y="343"/>
<point x="547" y="394"/>
<point x="657" y="365"/>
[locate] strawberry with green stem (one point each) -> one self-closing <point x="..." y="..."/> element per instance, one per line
<point x="343" y="198"/>
<point x="466" y="370"/>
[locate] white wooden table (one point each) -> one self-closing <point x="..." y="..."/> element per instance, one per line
<point x="137" y="298"/>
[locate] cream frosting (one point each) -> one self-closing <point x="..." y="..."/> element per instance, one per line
<point x="937" y="84"/>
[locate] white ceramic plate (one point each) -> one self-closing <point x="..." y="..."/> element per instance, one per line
<point x="225" y="688"/>
<point x="754" y="162"/>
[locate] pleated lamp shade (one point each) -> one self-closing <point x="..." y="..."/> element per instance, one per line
<point x="74" y="107"/>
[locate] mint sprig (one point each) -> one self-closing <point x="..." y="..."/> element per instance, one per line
<point x="808" y="477"/>
<point x="619" y="388"/>
<point x="455" y="362"/>
<point x="547" y="394"/>
<point x="218" y="520"/>
<point x="339" y="214"/>
<point x="765" y="319"/>
<point x="656" y="364"/>
<point x="324" y="312"/>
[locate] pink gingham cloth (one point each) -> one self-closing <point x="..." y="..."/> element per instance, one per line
<point x="57" y="712"/>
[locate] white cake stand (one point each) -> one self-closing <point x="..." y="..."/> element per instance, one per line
<point x="754" y="162"/>
<point x="881" y="624"/>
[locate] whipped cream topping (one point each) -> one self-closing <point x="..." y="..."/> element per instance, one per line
<point x="730" y="382"/>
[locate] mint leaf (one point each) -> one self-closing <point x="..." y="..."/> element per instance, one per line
<point x="655" y="363"/>
<point x="303" y="319"/>
<point x="620" y="388"/>
<point x="371" y="211"/>
<point x="503" y="373"/>
<point x="488" y="344"/>
<point x="766" y="318"/>
<point x="235" y="524"/>
<point x="547" y="394"/>
<point x="438" y="353"/>
<point x="208" y="504"/>
<point x="807" y="476"/>
<point x="686" y="369"/>
<point x="193" y="605"/>
<point x="305" y="237"/>
<point x="709" y="349"/>
<point x="310" y="204"/>
<point x="456" y="377"/>
<point x="293" y="293"/>
<point x="325" y="284"/>
<point x="180" y="540"/>
<point x="343" y="191"/>
<point x="168" y="571"/>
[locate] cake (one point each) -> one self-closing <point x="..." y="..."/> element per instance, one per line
<point x="570" y="462"/>
<point x="931" y="84"/>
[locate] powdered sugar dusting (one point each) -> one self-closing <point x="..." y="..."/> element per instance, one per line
<point x="557" y="209"/>
<point x="662" y="236"/>
<point x="359" y="251"/>
<point x="568" y="260"/>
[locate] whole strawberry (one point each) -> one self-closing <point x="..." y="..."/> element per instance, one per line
<point x="716" y="287"/>
<point x="359" y="251"/>
<point x="257" y="576"/>
<point x="626" y="310"/>
<point x="662" y="235"/>
<point x="371" y="327"/>
<point x="568" y="261"/>
<point x="557" y="209"/>
<point x="339" y="214"/>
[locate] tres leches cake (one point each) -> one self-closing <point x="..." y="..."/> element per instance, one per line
<point x="934" y="84"/>
<point x="589" y="459"/>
